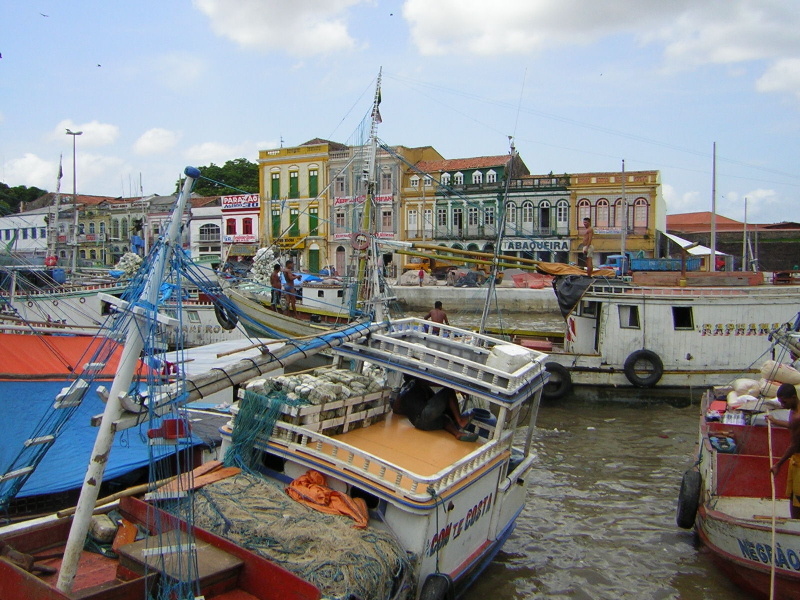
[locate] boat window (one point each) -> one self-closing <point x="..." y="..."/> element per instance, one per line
<point x="194" y="316"/>
<point x="320" y="293"/>
<point x="628" y="316"/>
<point x="340" y="294"/>
<point x="589" y="309"/>
<point x="682" y="317"/>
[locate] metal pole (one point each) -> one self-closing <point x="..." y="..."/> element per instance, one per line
<point x="713" y="266"/>
<point x="624" y="236"/>
<point x="744" y="238"/>
<point x="74" y="134"/>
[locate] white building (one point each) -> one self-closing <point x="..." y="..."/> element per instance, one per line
<point x="25" y="234"/>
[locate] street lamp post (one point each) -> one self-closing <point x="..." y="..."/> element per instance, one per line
<point x="74" y="134"/>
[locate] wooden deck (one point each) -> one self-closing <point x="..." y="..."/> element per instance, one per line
<point x="397" y="441"/>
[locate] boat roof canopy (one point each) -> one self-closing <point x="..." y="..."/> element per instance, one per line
<point x="697" y="250"/>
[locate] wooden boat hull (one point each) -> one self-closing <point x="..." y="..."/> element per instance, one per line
<point x="103" y="578"/>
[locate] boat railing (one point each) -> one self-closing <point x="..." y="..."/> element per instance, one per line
<point x="399" y="480"/>
<point x="468" y="361"/>
<point x="610" y="289"/>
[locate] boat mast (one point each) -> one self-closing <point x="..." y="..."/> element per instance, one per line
<point x="744" y="238"/>
<point x="502" y="200"/>
<point x="624" y="234"/>
<point x="713" y="259"/>
<point x="144" y="311"/>
<point x="52" y="221"/>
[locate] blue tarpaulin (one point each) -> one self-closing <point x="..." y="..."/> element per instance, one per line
<point x="64" y="466"/>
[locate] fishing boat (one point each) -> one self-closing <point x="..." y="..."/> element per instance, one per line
<point x="433" y="508"/>
<point x="622" y="334"/>
<point x="740" y="513"/>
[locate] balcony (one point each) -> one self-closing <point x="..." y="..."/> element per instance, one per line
<point x="208" y="238"/>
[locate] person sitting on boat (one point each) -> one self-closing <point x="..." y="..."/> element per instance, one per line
<point x="437" y="315"/>
<point x="787" y="396"/>
<point x="289" y="288"/>
<point x="275" y="282"/>
<point x="429" y="411"/>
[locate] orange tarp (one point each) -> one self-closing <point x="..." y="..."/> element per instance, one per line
<point x="309" y="489"/>
<point x="52" y="357"/>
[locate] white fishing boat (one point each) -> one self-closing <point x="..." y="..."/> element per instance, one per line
<point x="729" y="497"/>
<point x="620" y="334"/>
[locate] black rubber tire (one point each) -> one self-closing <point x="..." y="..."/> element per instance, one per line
<point x="437" y="586"/>
<point x="226" y="318"/>
<point x="689" y="499"/>
<point x="560" y="383"/>
<point x="633" y="365"/>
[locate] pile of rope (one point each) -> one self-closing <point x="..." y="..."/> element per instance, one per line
<point x="344" y="562"/>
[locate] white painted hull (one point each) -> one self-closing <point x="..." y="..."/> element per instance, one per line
<point x="702" y="336"/>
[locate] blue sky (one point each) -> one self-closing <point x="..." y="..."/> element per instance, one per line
<point x="580" y="84"/>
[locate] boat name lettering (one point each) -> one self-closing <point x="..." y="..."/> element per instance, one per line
<point x="535" y="245"/>
<point x="454" y="529"/>
<point x="762" y="553"/>
<point x="736" y="328"/>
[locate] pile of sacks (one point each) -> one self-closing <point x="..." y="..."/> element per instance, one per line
<point x="128" y="264"/>
<point x="263" y="263"/>
<point x="746" y="392"/>
<point x="321" y="386"/>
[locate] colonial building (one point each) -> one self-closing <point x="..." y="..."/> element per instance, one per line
<point x="617" y="202"/>
<point x="205" y="230"/>
<point x="241" y="216"/>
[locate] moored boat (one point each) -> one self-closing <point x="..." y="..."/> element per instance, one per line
<point x="741" y="515"/>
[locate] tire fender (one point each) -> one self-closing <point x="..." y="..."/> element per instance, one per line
<point x="656" y="369"/>
<point x="689" y="499"/>
<point x="560" y="383"/>
<point x="226" y="318"/>
<point x="437" y="586"/>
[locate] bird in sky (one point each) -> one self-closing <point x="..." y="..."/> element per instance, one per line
<point x="44" y="15"/>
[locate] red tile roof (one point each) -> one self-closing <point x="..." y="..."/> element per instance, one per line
<point x="458" y="164"/>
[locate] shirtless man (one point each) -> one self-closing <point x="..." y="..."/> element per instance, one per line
<point x="787" y="395"/>
<point x="437" y="315"/>
<point x="588" y="248"/>
<point x="291" y="292"/>
<point x="275" y="283"/>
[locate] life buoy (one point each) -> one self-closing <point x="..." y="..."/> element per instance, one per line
<point x="55" y="302"/>
<point x="644" y="362"/>
<point x="689" y="499"/>
<point x="559" y="384"/>
<point x="359" y="240"/>
<point x="226" y="318"/>
<point x="82" y="300"/>
<point x="437" y="586"/>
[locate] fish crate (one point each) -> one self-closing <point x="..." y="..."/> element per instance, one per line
<point x="335" y="416"/>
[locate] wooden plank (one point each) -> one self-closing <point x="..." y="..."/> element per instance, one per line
<point x="198" y="482"/>
<point x="126" y="534"/>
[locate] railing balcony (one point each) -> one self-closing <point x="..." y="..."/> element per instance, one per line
<point x="210" y="237"/>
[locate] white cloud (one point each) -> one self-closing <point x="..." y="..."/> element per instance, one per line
<point x="156" y="141"/>
<point x="219" y="154"/>
<point x="782" y="76"/>
<point x="94" y="134"/>
<point x="31" y="171"/>
<point x="678" y="203"/>
<point x="300" y="27"/>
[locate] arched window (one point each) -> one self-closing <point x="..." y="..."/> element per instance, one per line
<point x="640" y="212"/>
<point x="544" y="216"/>
<point x="527" y="212"/>
<point x="446" y="179"/>
<point x="601" y="219"/>
<point x="82" y="254"/>
<point x="459" y="178"/>
<point x="247" y="226"/>
<point x="102" y="227"/>
<point x="209" y="233"/>
<point x="91" y="226"/>
<point x="230" y="227"/>
<point x="584" y="211"/>
<point x="562" y="213"/>
<point x="93" y="254"/>
<point x="491" y="176"/>
<point x="124" y="229"/>
<point x="477" y="177"/>
<point x="511" y="214"/>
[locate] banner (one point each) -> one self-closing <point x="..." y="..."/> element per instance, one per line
<point x="533" y="245"/>
<point x="241" y="201"/>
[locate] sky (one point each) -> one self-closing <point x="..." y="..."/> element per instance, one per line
<point x="580" y="86"/>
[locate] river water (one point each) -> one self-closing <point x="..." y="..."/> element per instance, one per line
<point x="600" y="517"/>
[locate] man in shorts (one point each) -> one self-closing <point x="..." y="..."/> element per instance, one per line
<point x="275" y="283"/>
<point x="588" y="248"/>
<point x="289" y="289"/>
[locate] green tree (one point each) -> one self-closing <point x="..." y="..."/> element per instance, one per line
<point x="11" y="197"/>
<point x="234" y="177"/>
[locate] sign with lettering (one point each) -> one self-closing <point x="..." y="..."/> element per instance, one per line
<point x="239" y="239"/>
<point x="535" y="245"/>
<point x="453" y="529"/>
<point x="241" y="201"/>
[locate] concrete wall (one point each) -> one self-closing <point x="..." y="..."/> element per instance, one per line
<point x="513" y="300"/>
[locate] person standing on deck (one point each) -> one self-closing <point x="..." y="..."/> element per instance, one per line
<point x="275" y="282"/>
<point x="588" y="248"/>
<point x="421" y="276"/>
<point x="291" y="292"/>
<point x="437" y="315"/>
<point x="787" y="395"/>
